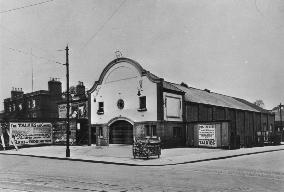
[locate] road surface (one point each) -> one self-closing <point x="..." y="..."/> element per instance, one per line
<point x="259" y="172"/>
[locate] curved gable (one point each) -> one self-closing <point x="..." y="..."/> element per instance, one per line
<point x="123" y="79"/>
<point x="114" y="72"/>
<point x="119" y="69"/>
<point x="119" y="73"/>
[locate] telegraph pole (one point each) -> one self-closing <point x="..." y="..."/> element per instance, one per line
<point x="68" y="103"/>
<point x="280" y="108"/>
<point x="32" y="70"/>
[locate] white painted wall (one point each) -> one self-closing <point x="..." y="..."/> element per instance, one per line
<point x="122" y="82"/>
<point x="172" y="107"/>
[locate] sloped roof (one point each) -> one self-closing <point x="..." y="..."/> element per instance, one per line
<point x="152" y="76"/>
<point x="171" y="86"/>
<point x="252" y="105"/>
<point x="210" y="98"/>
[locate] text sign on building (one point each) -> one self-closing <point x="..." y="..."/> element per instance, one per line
<point x="59" y="132"/>
<point x="207" y="135"/>
<point x="77" y="110"/>
<point x="31" y="133"/>
<point x="62" y="111"/>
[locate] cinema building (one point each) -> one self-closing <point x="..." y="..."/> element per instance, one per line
<point x="127" y="101"/>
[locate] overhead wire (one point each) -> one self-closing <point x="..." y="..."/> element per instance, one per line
<point x="36" y="56"/>
<point x="85" y="44"/>
<point x="103" y="25"/>
<point x="26" y="6"/>
<point x="20" y="37"/>
<point x="256" y="7"/>
<point x="24" y="38"/>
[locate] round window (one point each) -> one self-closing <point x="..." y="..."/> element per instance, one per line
<point x="120" y="104"/>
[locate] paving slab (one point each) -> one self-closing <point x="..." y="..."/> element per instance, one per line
<point x="122" y="154"/>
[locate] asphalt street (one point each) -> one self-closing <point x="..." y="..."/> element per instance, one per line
<point x="259" y="172"/>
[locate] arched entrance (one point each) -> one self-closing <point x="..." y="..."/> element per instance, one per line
<point x="121" y="132"/>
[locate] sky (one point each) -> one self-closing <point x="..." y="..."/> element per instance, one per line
<point x="232" y="47"/>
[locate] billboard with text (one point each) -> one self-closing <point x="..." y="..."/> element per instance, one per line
<point x="207" y="135"/>
<point x="30" y="133"/>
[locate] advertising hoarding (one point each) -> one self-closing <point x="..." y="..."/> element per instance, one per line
<point x="62" y="111"/>
<point x="207" y="135"/>
<point x="30" y="133"/>
<point x="77" y="110"/>
<point x="59" y="132"/>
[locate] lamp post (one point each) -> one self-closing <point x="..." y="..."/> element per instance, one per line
<point x="68" y="104"/>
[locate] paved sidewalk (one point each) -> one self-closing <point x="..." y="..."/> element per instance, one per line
<point x="122" y="154"/>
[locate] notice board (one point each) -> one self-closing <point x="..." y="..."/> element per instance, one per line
<point x="30" y="133"/>
<point x="207" y="135"/>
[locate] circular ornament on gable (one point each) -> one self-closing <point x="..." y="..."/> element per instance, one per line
<point x="120" y="104"/>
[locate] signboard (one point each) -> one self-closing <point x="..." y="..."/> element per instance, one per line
<point x="59" y="132"/>
<point x="30" y="133"/>
<point x="62" y="110"/>
<point x="207" y="135"/>
<point x="77" y="110"/>
<point x="173" y="106"/>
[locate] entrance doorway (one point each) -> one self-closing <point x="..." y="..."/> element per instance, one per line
<point x="121" y="132"/>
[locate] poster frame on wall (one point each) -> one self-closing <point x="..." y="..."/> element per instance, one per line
<point x="31" y="133"/>
<point x="207" y="136"/>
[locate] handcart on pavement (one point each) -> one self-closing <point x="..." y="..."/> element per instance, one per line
<point x="146" y="147"/>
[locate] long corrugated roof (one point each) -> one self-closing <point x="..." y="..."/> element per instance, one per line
<point x="210" y="98"/>
<point x="206" y="97"/>
<point x="252" y="105"/>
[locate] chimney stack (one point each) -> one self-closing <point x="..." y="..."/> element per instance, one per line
<point x="80" y="89"/>
<point x="55" y="87"/>
<point x="16" y="93"/>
